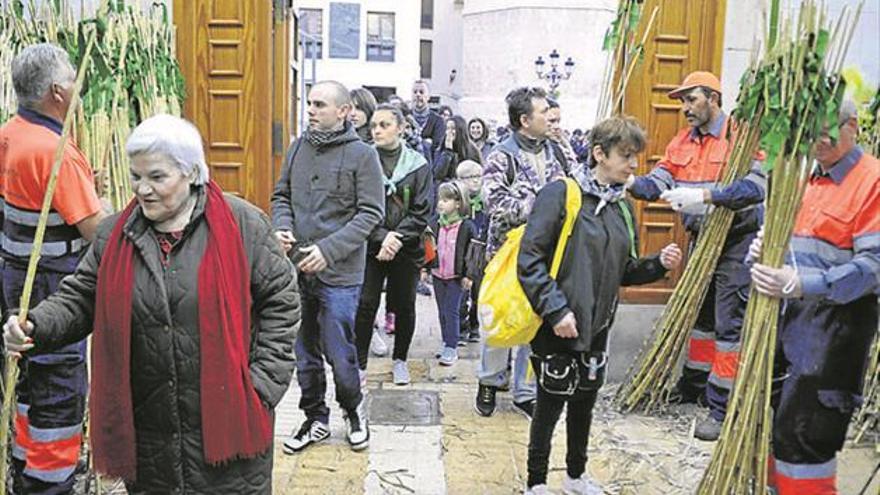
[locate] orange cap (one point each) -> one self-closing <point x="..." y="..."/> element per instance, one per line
<point x="695" y="80"/>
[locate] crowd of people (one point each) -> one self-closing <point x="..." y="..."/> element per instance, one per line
<point x="201" y="308"/>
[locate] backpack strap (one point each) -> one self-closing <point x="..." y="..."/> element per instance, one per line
<point x="573" y="201"/>
<point x="630" y="228"/>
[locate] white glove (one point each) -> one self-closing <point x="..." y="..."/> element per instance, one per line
<point x="685" y="199"/>
<point x="755" y="248"/>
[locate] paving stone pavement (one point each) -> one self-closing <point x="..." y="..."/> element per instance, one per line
<point x="469" y="454"/>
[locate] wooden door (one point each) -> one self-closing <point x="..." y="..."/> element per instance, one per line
<point x="688" y="36"/>
<point x="230" y="60"/>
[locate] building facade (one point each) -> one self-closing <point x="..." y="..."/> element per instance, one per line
<point x="369" y="43"/>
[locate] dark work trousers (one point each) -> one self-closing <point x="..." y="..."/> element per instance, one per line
<point x="713" y="353"/>
<point x="448" y="294"/>
<point x="824" y="350"/>
<point x="578" y="416"/>
<point x="51" y="394"/>
<point x="399" y="276"/>
<point x="326" y="332"/>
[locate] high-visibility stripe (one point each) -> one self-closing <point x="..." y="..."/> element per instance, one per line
<point x="53" y="249"/>
<point x="50" y="456"/>
<point x="701" y="351"/>
<point x="771" y="472"/>
<point x="867" y="242"/>
<point x="806" y="479"/>
<point x="22" y="440"/>
<point x="725" y="364"/>
<point x="54" y="434"/>
<point x="825" y="251"/>
<point x="29" y="218"/>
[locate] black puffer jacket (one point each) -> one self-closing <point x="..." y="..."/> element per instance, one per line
<point x="597" y="261"/>
<point x="165" y="365"/>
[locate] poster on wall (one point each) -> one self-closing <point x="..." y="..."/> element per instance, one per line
<point x="345" y="26"/>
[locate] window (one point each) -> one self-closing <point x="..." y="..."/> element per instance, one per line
<point x="312" y="30"/>
<point x="380" y="36"/>
<point x="426" y="51"/>
<point x="427" y="14"/>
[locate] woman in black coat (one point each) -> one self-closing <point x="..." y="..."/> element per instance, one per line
<point x="395" y="249"/>
<point x="569" y="352"/>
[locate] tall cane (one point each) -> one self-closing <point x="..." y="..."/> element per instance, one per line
<point x="11" y="376"/>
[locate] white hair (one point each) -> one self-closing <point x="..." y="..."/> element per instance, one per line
<point x="848" y="110"/>
<point x="35" y="69"/>
<point x="174" y="138"/>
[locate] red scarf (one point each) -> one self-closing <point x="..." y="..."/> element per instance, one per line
<point x="235" y="424"/>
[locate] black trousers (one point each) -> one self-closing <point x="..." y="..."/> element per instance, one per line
<point x="578" y="416"/>
<point x="402" y="274"/>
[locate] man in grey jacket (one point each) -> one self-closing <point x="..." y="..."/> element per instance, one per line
<point x="327" y="201"/>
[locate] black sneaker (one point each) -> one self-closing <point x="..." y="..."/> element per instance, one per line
<point x="485" y="403"/>
<point x="358" y="428"/>
<point x="311" y="431"/>
<point x="474" y="336"/>
<point x="527" y="408"/>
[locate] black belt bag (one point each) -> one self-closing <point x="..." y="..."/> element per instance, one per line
<point x="565" y="374"/>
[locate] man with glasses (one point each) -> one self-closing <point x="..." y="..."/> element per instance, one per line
<point x="515" y="170"/>
<point x="687" y="178"/>
<point x="830" y="285"/>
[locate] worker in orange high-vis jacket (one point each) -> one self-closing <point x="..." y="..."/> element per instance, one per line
<point x="687" y="177"/>
<point x="830" y="285"/>
<point x="51" y="388"/>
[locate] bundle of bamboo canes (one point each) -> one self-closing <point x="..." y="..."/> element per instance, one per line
<point x="625" y="51"/>
<point x="798" y="82"/>
<point x="133" y="74"/>
<point x="651" y="380"/>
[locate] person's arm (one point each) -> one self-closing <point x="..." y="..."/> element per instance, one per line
<point x="536" y="250"/>
<point x="88" y="227"/>
<point x="860" y="276"/>
<point x="649" y="187"/>
<point x="742" y="192"/>
<point x="445" y="162"/>
<point x="67" y="315"/>
<point x="420" y="206"/>
<point x="282" y="210"/>
<point x="276" y="310"/>
<point x="370" y="212"/>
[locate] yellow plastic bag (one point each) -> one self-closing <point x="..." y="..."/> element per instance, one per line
<point x="504" y="311"/>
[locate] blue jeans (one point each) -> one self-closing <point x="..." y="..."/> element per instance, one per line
<point x="327" y="331"/>
<point x="448" y="294"/>
<point x="493" y="369"/>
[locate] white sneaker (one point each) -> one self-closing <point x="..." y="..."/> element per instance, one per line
<point x="538" y="490"/>
<point x="400" y="373"/>
<point x="358" y="428"/>
<point x="311" y="431"/>
<point x="581" y="486"/>
<point x="449" y="356"/>
<point x="377" y="345"/>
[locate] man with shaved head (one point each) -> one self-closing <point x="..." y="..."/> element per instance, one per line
<point x="329" y="198"/>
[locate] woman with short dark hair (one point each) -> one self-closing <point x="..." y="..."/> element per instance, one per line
<point x="569" y="352"/>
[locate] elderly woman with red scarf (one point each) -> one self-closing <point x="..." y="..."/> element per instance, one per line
<point x="194" y="309"/>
